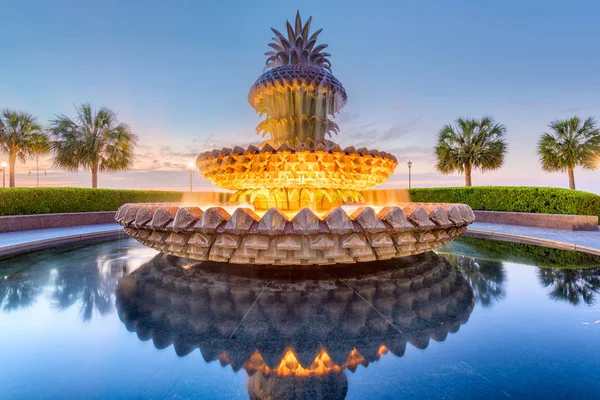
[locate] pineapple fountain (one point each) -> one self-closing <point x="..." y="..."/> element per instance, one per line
<point x="295" y="187"/>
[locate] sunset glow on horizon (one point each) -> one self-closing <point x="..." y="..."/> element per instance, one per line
<point x="182" y="84"/>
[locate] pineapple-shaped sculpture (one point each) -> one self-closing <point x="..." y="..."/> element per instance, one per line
<point x="298" y="92"/>
<point x="297" y="166"/>
<point x="296" y="182"/>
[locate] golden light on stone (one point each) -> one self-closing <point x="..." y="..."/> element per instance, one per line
<point x="292" y="189"/>
<point x="321" y="365"/>
<point x="318" y="176"/>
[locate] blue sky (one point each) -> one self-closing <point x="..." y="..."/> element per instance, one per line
<point x="179" y="73"/>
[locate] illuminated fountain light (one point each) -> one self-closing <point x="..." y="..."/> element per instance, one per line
<point x="299" y="196"/>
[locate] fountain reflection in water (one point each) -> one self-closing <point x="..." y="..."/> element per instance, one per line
<point x="295" y="332"/>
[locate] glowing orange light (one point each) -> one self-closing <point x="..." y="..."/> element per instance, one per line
<point x="292" y="180"/>
<point x="321" y="365"/>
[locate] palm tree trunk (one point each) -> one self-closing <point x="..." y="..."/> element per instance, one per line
<point x="94" y="177"/>
<point x="468" y="175"/>
<point x="571" y="179"/>
<point x="12" y="161"/>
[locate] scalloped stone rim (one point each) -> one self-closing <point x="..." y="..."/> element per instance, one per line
<point x="306" y="239"/>
<point x="325" y="164"/>
<point x="311" y="147"/>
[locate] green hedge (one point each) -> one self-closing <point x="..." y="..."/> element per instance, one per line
<point x="21" y="201"/>
<point x="514" y="198"/>
<point x="17" y="201"/>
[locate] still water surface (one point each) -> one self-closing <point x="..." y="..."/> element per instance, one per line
<point x="478" y="319"/>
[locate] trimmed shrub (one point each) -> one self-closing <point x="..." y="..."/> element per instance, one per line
<point x="514" y="199"/>
<point x="22" y="201"/>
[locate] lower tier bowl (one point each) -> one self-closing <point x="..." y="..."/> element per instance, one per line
<point x="367" y="234"/>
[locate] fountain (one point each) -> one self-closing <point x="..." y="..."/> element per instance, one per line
<point x="294" y="189"/>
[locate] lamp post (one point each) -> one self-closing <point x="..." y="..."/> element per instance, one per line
<point x="409" y="167"/>
<point x="3" y="165"/>
<point x="190" y="170"/>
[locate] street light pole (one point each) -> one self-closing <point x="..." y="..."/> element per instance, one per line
<point x="409" y="166"/>
<point x="3" y="165"/>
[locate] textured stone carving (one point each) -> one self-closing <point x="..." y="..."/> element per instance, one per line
<point x="306" y="239"/>
<point x="439" y="216"/>
<point x="163" y="216"/>
<point x="338" y="221"/>
<point x="305" y="222"/>
<point x="185" y="218"/>
<point x="366" y="218"/>
<point x="241" y="221"/>
<point x="395" y="217"/>
<point x="418" y="216"/>
<point x="273" y="222"/>
<point x="211" y="219"/>
<point x="131" y="213"/>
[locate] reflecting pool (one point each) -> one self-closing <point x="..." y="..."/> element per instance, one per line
<point x="477" y="319"/>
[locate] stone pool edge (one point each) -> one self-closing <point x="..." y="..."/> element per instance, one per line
<point x="118" y="233"/>
<point x="523" y="239"/>
<point x="87" y="237"/>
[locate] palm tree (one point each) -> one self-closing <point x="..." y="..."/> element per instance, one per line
<point x="21" y="137"/>
<point x="468" y="144"/>
<point x="95" y="141"/>
<point x="571" y="144"/>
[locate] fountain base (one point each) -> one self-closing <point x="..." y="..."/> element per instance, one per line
<point x="306" y="239"/>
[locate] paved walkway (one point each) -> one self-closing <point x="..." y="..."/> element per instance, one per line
<point x="18" y="242"/>
<point x="589" y="242"/>
<point x="586" y="241"/>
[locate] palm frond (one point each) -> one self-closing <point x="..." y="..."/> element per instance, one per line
<point x="570" y="143"/>
<point x="95" y="139"/>
<point x="471" y="142"/>
<point x="21" y="134"/>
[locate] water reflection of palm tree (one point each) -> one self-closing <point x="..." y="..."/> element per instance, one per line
<point x="85" y="276"/>
<point x="486" y="277"/>
<point x="91" y="283"/>
<point x="18" y="292"/>
<point x="84" y="286"/>
<point x="21" y="283"/>
<point x="571" y="285"/>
